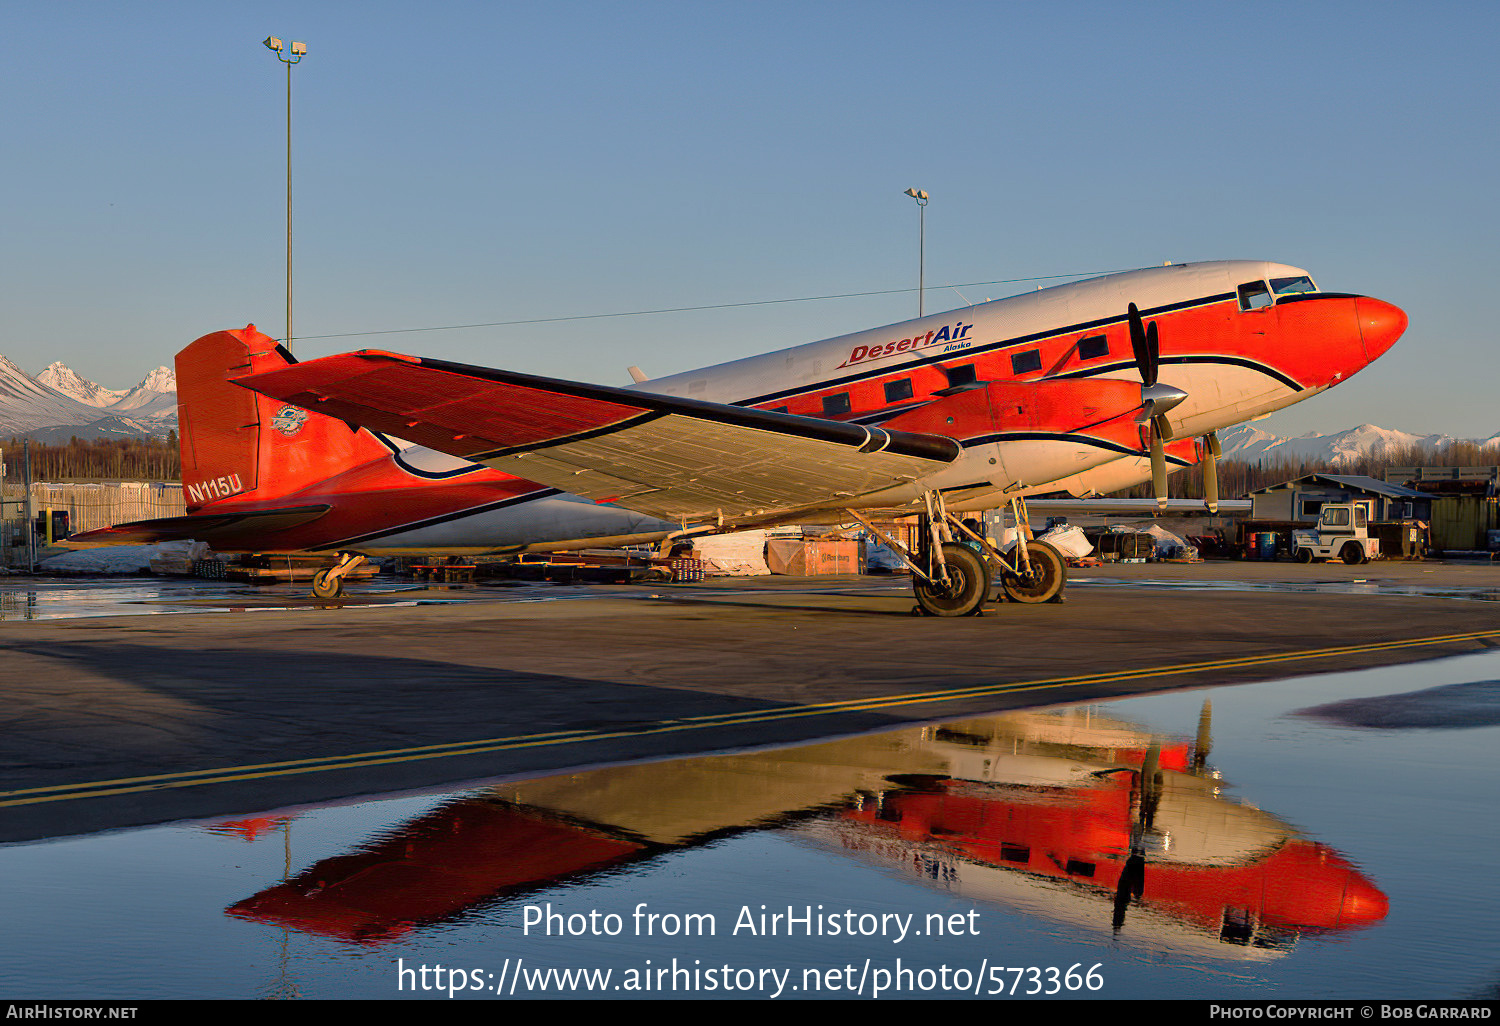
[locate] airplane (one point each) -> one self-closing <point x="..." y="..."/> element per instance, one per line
<point x="1060" y="389"/>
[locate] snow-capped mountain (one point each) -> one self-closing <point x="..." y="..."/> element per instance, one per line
<point x="1249" y="443"/>
<point x="154" y="398"/>
<point x="26" y="404"/>
<point x="62" y="404"/>
<point x="61" y="378"/>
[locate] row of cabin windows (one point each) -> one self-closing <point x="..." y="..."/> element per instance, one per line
<point x="900" y="390"/>
<point x="1253" y="295"/>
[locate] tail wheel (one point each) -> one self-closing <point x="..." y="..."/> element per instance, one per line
<point x="1351" y="553"/>
<point x="323" y="588"/>
<point x="1045" y="581"/>
<point x="968" y="584"/>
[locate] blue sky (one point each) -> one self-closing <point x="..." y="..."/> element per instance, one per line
<point x="480" y="162"/>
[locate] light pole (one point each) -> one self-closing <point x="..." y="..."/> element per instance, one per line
<point x="297" y="51"/>
<point x="920" y="195"/>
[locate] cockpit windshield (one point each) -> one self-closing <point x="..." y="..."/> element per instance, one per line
<point x="1292" y="286"/>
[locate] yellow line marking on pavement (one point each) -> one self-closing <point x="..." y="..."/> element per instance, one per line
<point x="290" y="767"/>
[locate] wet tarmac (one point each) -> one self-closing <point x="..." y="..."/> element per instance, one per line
<point x="1284" y="855"/>
<point x="50" y="598"/>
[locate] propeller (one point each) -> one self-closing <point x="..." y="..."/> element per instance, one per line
<point x="1148" y="789"/>
<point x="1156" y="399"/>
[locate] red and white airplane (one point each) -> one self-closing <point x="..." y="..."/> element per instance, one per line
<point x="1087" y="387"/>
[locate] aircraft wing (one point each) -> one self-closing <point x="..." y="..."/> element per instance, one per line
<point x="204" y="527"/>
<point x="678" y="459"/>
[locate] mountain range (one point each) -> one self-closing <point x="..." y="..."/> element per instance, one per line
<point x="1250" y="444"/>
<point x="59" y="404"/>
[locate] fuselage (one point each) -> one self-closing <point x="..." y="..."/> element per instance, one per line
<point x="1241" y="338"/>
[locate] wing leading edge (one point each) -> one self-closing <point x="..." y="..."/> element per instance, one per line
<point x="678" y="459"/>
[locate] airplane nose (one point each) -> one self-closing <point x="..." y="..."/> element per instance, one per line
<point x="1363" y="902"/>
<point x="1380" y="324"/>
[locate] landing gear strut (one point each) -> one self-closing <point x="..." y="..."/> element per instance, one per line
<point x="952" y="579"/>
<point x="329" y="583"/>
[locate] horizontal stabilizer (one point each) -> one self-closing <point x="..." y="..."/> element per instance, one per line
<point x="214" y="528"/>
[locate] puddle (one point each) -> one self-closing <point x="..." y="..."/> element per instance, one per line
<point x="1280" y="856"/>
<point x="69" y="598"/>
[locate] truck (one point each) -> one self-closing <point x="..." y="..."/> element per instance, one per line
<point x="1342" y="531"/>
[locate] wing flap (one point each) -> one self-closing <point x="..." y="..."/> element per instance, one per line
<point x="670" y="457"/>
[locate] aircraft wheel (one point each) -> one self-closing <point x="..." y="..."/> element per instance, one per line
<point x="969" y="583"/>
<point x="323" y="588"/>
<point x="1048" y="575"/>
<point x="1352" y="554"/>
<point x="1304" y="555"/>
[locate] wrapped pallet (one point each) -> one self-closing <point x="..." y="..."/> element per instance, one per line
<point x="741" y="554"/>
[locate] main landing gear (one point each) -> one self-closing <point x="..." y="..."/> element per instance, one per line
<point x="329" y="583"/>
<point x="951" y="578"/>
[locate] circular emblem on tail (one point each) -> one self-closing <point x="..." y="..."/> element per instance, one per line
<point x="289" y="420"/>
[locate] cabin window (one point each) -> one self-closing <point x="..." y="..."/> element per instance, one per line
<point x="835" y="404"/>
<point x="963" y="374"/>
<point x="1093" y="347"/>
<point x="1015" y="852"/>
<point x="1077" y="867"/>
<point x="898" y="390"/>
<point x="1292" y="286"/>
<point x="779" y="409"/>
<point x="1254" y="295"/>
<point x="1360" y="519"/>
<point x="1024" y="363"/>
<point x="1336" y="517"/>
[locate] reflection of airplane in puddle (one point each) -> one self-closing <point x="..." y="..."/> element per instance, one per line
<point x="1045" y="812"/>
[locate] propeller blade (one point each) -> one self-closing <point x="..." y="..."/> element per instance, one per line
<point x="1161" y="425"/>
<point x="1151" y="785"/>
<point x="1141" y="344"/>
<point x="1158" y="466"/>
<point x="1210" y="465"/>
<point x="1153" y="353"/>
<point x="1204" y="743"/>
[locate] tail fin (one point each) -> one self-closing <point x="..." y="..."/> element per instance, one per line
<point x="241" y="445"/>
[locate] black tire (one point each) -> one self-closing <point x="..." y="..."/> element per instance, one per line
<point x="969" y="584"/>
<point x="1048" y="575"/>
<point x="323" y="588"/>
<point x="1304" y="555"/>
<point x="1352" y="554"/>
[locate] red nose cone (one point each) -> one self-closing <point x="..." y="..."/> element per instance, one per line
<point x="1380" y="324"/>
